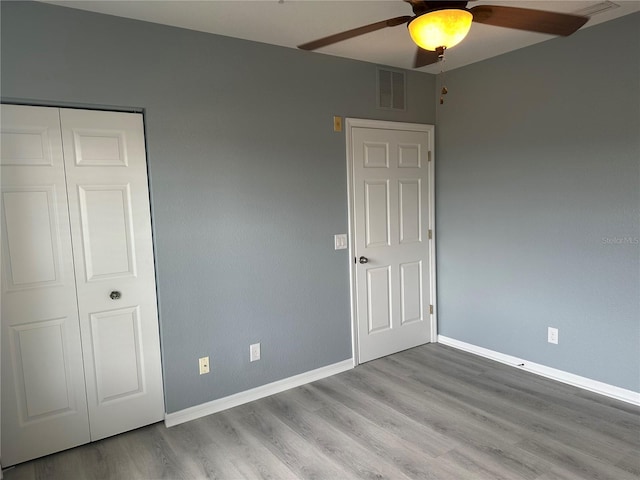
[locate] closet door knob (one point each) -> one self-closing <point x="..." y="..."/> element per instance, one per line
<point x="115" y="295"/>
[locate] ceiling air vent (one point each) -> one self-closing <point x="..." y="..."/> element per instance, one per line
<point x="596" y="8"/>
<point x="391" y="89"/>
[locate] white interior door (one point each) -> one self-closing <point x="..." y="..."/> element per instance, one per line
<point x="106" y="171"/>
<point x="44" y="407"/>
<point x="391" y="229"/>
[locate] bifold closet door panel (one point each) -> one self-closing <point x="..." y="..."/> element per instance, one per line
<point x="44" y="407"/>
<point x="108" y="195"/>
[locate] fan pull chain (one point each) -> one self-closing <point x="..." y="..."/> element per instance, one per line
<point x="444" y="89"/>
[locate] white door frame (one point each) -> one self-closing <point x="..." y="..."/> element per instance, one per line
<point x="352" y="123"/>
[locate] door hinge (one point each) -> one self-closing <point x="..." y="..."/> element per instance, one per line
<point x="430" y="234"/>
<point x="429" y="156"/>
<point x="430" y="309"/>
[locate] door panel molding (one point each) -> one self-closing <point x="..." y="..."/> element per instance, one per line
<point x="109" y="249"/>
<point x="45" y="387"/>
<point x="26" y="146"/>
<point x="411" y="298"/>
<point x="25" y="264"/>
<point x="100" y="148"/>
<point x="378" y="292"/>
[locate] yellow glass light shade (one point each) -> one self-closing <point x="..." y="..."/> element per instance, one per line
<point x="440" y="28"/>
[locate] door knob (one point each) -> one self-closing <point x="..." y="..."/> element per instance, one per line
<point x="115" y="295"/>
<point x="363" y="260"/>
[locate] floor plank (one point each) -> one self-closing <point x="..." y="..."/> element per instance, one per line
<point x="432" y="413"/>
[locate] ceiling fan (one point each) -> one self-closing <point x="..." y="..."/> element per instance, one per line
<point x="438" y="25"/>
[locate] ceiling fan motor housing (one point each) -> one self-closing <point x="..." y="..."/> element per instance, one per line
<point x="420" y="7"/>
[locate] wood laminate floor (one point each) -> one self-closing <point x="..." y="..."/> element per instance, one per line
<point x="431" y="412"/>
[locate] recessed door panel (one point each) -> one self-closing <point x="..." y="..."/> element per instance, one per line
<point x="376" y="213"/>
<point x="379" y="299"/>
<point x="376" y="155"/>
<point x="26" y="146"/>
<point x="42" y="369"/>
<point x="410" y="211"/>
<point x="411" y="292"/>
<point x="31" y="237"/>
<point x="409" y="156"/>
<point x="105" y="212"/>
<point x="100" y="148"/>
<point x="117" y="353"/>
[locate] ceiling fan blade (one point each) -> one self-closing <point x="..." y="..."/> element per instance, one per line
<point x="355" y="32"/>
<point x="425" y="57"/>
<point x="527" y="19"/>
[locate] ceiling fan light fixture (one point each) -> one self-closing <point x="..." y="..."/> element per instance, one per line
<point x="440" y="28"/>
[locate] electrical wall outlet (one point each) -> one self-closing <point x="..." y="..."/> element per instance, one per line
<point x="552" y="335"/>
<point x="254" y="352"/>
<point x="340" y="241"/>
<point x="204" y="365"/>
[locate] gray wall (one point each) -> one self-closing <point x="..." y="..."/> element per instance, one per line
<point x="537" y="176"/>
<point x="538" y="203"/>
<point x="248" y="180"/>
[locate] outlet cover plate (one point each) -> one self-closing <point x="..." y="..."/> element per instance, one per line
<point x="552" y="335"/>
<point x="203" y="364"/>
<point x="254" y="352"/>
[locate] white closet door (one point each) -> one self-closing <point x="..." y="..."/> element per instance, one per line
<point x="44" y="406"/>
<point x="80" y="340"/>
<point x="105" y="161"/>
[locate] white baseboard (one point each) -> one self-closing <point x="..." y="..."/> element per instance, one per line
<point x="612" y="391"/>
<point x="257" y="393"/>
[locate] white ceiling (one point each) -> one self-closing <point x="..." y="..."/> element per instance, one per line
<point x="292" y="22"/>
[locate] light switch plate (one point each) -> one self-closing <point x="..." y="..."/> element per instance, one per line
<point x="340" y="241"/>
<point x="337" y="124"/>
